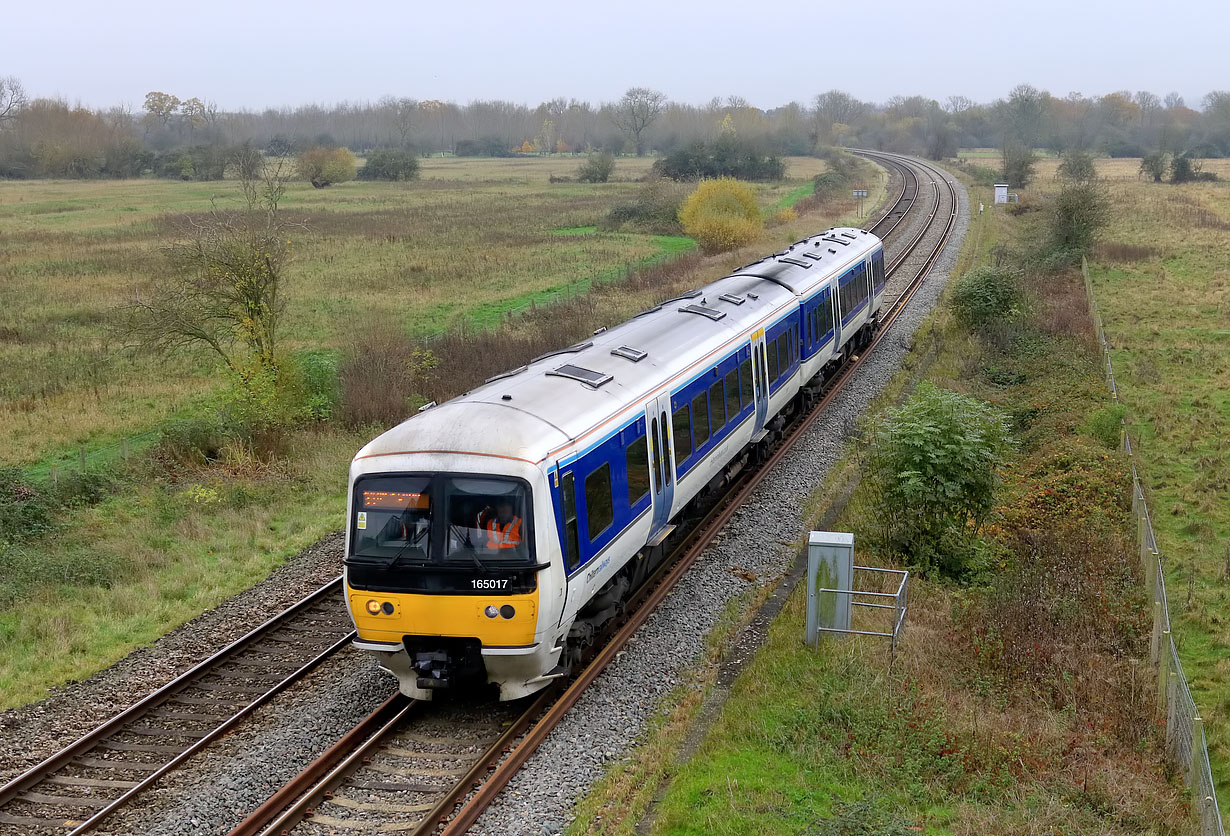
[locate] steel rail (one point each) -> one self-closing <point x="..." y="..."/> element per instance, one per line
<point x="37" y="775"/>
<point x="294" y="802"/>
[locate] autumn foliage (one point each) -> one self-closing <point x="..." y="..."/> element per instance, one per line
<point x="722" y="214"/>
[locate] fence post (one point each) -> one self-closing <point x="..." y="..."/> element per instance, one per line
<point x="1156" y="639"/>
<point x="1164" y="675"/>
<point x="1141" y="533"/>
<point x="1194" y="765"/>
<point x="55" y="477"/>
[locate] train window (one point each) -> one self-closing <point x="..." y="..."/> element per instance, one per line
<point x="783" y="353"/>
<point x="599" y="511"/>
<point x="717" y="407"/>
<point x="732" y="394"/>
<point x="637" y="459"/>
<point x="657" y="457"/>
<point x="700" y="419"/>
<point x="772" y="361"/>
<point x="746" y="388"/>
<point x="568" y="493"/>
<point x="681" y="428"/>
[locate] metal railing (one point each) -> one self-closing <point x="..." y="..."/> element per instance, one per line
<point x="1186" y="743"/>
<point x="899" y="605"/>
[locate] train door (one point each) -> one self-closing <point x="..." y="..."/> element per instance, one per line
<point x="760" y="384"/>
<point x="661" y="465"/>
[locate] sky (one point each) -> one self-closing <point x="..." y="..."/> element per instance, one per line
<point x="252" y="55"/>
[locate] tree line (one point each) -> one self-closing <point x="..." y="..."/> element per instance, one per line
<point x="189" y="137"/>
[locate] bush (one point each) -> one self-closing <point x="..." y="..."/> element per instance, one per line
<point x="721" y="215"/>
<point x="933" y="469"/>
<point x="725" y="157"/>
<point x="596" y="169"/>
<point x="394" y="164"/>
<point x="1077" y="167"/>
<point x="1078" y="214"/>
<point x="1018" y="165"/>
<point x="1106" y="425"/>
<point x="985" y="295"/>
<point x="655" y="209"/>
<point x="25" y="510"/>
<point x="200" y="162"/>
<point x="325" y="166"/>
<point x="486" y="147"/>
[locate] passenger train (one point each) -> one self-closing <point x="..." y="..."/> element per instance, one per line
<point x="491" y="537"/>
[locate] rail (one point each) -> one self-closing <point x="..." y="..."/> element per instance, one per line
<point x="1186" y="745"/>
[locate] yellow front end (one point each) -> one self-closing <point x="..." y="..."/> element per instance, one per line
<point x="459" y="616"/>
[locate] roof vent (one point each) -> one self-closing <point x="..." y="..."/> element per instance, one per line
<point x="836" y="240"/>
<point x="572" y="349"/>
<point x="813" y="256"/>
<point x="797" y="262"/>
<point x="691" y="294"/>
<point x="753" y="296"/>
<point x="732" y="298"/>
<point x="849" y="235"/>
<point x="629" y="353"/>
<point x="703" y="311"/>
<point x="654" y="309"/>
<point x="589" y="377"/>
<point x="503" y="375"/>
<point x="833" y="251"/>
<point x="600" y="330"/>
<point x="426" y="406"/>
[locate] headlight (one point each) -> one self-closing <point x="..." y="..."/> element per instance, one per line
<point x="373" y="607"/>
<point x="491" y="611"/>
<point x="387" y="607"/>
<point x="507" y="611"/>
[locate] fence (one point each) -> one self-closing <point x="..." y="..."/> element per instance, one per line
<point x="899" y="606"/>
<point x="1186" y="744"/>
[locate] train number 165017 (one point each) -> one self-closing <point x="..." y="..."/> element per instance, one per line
<point x="489" y="583"/>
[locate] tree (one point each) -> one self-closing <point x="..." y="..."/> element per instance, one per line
<point x="1077" y="166"/>
<point x="12" y="97"/>
<point x="224" y="289"/>
<point x="1018" y="164"/>
<point x="325" y="166"/>
<point x="933" y="468"/>
<point x="1079" y="213"/>
<point x="1153" y="165"/>
<point x="160" y="107"/>
<point x="639" y="108"/>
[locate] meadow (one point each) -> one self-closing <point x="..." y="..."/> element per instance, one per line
<point x="461" y="251"/>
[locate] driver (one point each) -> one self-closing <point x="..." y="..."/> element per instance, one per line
<point x="502" y="530"/>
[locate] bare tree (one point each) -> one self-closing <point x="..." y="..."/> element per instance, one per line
<point x="224" y="291"/>
<point x="958" y="104"/>
<point x="635" y="112"/>
<point x="12" y="97"/>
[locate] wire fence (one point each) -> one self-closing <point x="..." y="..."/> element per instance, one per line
<point x="1186" y="744"/>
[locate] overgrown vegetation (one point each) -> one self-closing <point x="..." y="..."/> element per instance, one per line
<point x="726" y="156"/>
<point x="392" y="164"/>
<point x="655" y="208"/>
<point x="721" y="214"/>
<point x="323" y="167"/>
<point x="986" y="297"/>
<point x="597" y="168"/>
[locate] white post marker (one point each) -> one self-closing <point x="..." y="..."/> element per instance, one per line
<point x="830" y="566"/>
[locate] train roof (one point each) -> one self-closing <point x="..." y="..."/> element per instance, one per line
<point x="531" y="412"/>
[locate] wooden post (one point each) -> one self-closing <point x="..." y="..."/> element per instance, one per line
<point x="1197" y="745"/>
<point x="1164" y="678"/>
<point x="1155" y="640"/>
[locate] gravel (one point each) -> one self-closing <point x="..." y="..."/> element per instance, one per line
<point x="613" y="713"/>
<point x="244" y="768"/>
<point x="31" y="733"/>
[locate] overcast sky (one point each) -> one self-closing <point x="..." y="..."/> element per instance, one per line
<point x="255" y="54"/>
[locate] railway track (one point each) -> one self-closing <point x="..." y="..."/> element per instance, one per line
<point x="78" y="787"/>
<point x="372" y="781"/>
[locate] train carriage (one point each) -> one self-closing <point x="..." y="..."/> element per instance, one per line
<point x="490" y="538"/>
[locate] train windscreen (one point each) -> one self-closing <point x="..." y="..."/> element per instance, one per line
<point x="442" y="519"/>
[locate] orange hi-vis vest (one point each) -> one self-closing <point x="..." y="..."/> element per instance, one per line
<point x="507" y="536"/>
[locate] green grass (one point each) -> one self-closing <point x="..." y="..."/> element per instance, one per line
<point x="1165" y="316"/>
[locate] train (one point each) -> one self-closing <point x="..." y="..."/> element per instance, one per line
<point x="490" y="539"/>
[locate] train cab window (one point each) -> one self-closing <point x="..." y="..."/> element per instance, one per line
<point x="486" y="518"/>
<point x="772" y="360"/>
<point x="732" y="394"/>
<point x="657" y="457"/>
<point x="681" y="428"/>
<point x="717" y="407"/>
<point x="636" y="456"/>
<point x="394" y="514"/>
<point x="746" y="386"/>
<point x="599" y="510"/>
<point x="568" y="493"/>
<point x="700" y="420"/>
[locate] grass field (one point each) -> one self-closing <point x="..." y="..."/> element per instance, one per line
<point x="1162" y="279"/>
<point x="471" y="241"/>
<point x="1006" y="709"/>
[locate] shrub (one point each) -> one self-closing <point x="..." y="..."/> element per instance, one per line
<point x="325" y="166"/>
<point x="1106" y="425"/>
<point x="725" y="157"/>
<point x="1077" y="167"/>
<point x="985" y="295"/>
<point x="1153" y="165"/>
<point x="596" y="169"/>
<point x="194" y="440"/>
<point x="1017" y="165"/>
<point x="1078" y="214"/>
<point x="394" y="164"/>
<point x="655" y="209"/>
<point x="25" y="510"/>
<point x="486" y="147"/>
<point x="933" y="469"/>
<point x="721" y="215"/>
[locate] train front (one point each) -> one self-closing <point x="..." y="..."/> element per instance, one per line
<point x="449" y="576"/>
